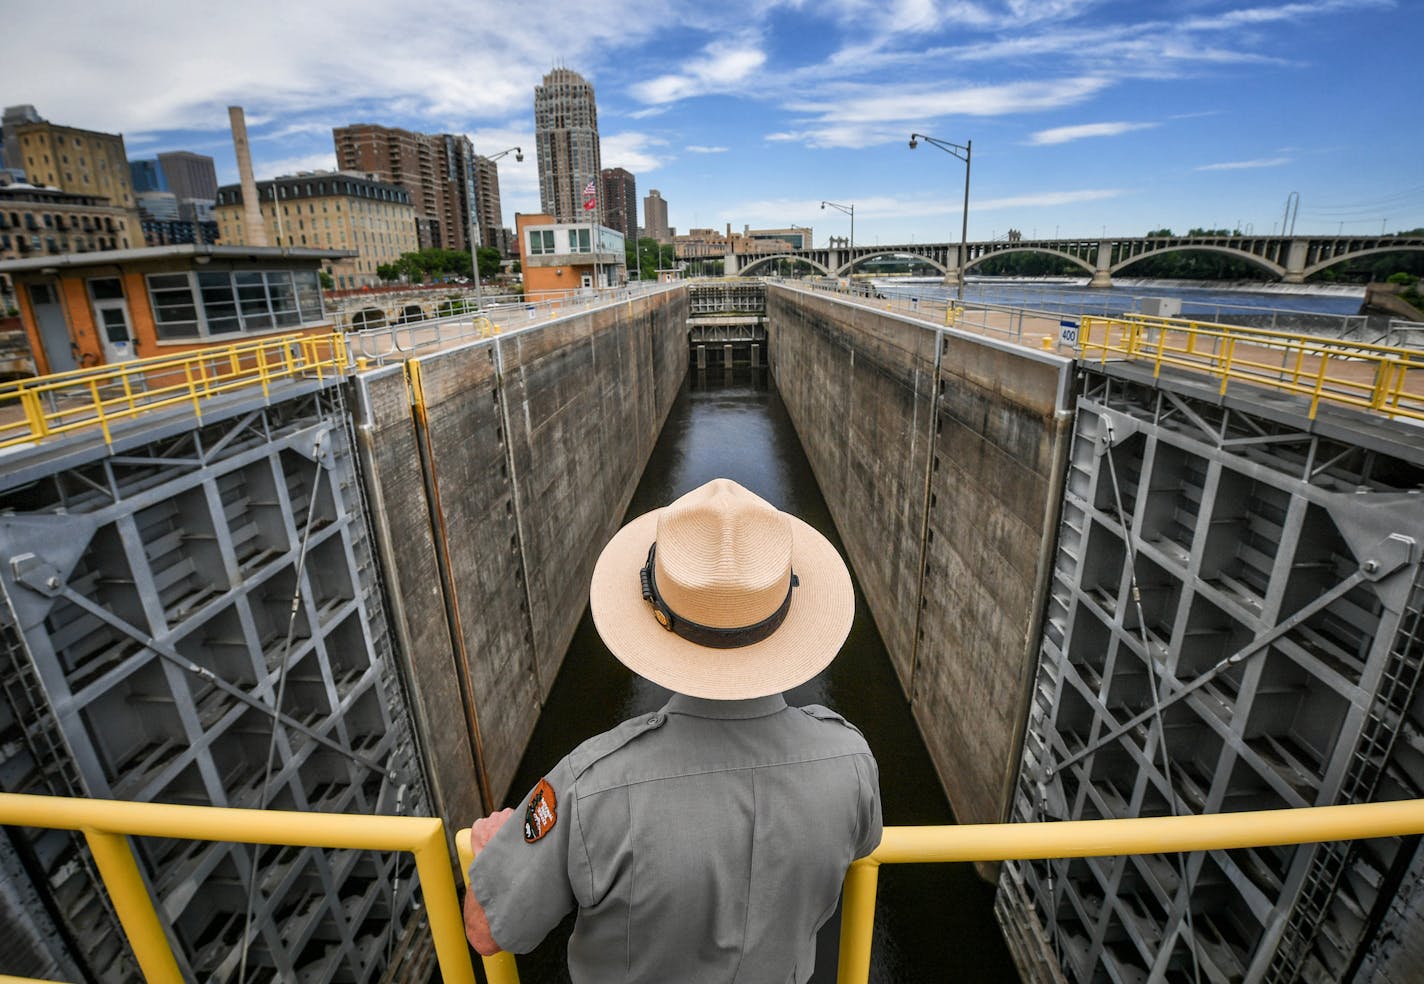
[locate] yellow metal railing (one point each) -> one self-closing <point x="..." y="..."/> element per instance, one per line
<point x="1382" y="378"/>
<point x="106" y="823"/>
<point x="1068" y="839"/>
<point x="85" y="399"/>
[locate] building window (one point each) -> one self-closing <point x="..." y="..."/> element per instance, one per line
<point x="541" y="241"/>
<point x="215" y="303"/>
<point x="175" y="314"/>
<point x="579" y="241"/>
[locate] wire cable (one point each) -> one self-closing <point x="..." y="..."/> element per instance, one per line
<point x="277" y="707"/>
<point x="1152" y="679"/>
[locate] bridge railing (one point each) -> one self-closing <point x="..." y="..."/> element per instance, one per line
<point x="1385" y="379"/>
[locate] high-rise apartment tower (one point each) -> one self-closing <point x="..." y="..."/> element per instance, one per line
<point x="655" y="221"/>
<point x="438" y="169"/>
<point x="620" y="202"/>
<point x="566" y="132"/>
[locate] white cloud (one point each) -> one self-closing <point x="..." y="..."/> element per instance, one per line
<point x="266" y="168"/>
<point x="638" y="152"/>
<point x="700" y="149"/>
<point x="863" y="116"/>
<point x="723" y="65"/>
<point x="1066" y="134"/>
<point x="900" y="102"/>
<point x="1244" y="165"/>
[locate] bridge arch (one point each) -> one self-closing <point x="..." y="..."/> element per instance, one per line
<point x="1334" y="260"/>
<point x="845" y="269"/>
<point x="1275" y="269"/>
<point x="1078" y="261"/>
<point x="745" y="270"/>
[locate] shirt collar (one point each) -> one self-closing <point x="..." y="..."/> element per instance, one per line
<point x="727" y="710"/>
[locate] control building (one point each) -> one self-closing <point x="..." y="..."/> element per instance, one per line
<point x="566" y="134"/>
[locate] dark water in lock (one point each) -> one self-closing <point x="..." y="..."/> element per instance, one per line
<point x="933" y="923"/>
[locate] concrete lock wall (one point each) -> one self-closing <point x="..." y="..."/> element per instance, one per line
<point x="939" y="453"/>
<point x="496" y="485"/>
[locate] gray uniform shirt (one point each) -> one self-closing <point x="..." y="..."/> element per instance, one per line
<point x="705" y="842"/>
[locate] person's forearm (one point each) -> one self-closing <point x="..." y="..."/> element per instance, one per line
<point x="477" y="927"/>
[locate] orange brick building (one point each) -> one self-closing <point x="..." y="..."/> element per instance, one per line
<point x="558" y="257"/>
<point x="86" y="309"/>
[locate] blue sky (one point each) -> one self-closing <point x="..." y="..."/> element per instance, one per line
<point x="1086" y="116"/>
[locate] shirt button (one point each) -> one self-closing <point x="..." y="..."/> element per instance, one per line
<point x="655" y="719"/>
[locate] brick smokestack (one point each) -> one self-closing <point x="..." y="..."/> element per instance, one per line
<point x="254" y="230"/>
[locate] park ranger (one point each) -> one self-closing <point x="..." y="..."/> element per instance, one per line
<point x="706" y="841"/>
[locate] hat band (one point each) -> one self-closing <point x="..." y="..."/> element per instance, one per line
<point x="708" y="635"/>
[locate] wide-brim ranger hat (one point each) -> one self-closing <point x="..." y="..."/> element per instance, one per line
<point x="721" y="595"/>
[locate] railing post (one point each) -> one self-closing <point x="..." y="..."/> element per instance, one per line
<point x="500" y="968"/>
<point x="857" y="921"/>
<point x="34" y="413"/>
<point x="117" y="867"/>
<point x="432" y="861"/>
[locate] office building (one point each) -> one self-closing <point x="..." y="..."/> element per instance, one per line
<point x="566" y="134"/>
<point x="147" y="176"/>
<point x="47" y="221"/>
<point x="655" y="217"/>
<point x="84" y="162"/>
<point x="331" y="210"/>
<point x="9" y="138"/>
<point x="438" y="170"/>
<point x="189" y="175"/>
<point x="620" y="201"/>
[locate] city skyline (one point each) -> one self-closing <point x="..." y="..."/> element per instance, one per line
<point x="1086" y="117"/>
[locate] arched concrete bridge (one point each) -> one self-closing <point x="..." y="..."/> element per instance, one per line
<point x="1289" y="258"/>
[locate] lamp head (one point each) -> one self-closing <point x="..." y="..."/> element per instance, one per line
<point x="913" y="141"/>
<point x="519" y="155"/>
<point x="823" y="206"/>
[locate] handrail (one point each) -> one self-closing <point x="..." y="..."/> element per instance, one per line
<point x="1386" y="379"/>
<point x="84" y="399"/>
<point x="105" y="823"/>
<point x="1099" y="838"/>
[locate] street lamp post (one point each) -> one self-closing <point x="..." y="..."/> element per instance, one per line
<point x="963" y="153"/>
<point x="848" y="210"/>
<point x="475" y="221"/>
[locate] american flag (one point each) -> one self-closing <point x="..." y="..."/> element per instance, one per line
<point x="590" y="197"/>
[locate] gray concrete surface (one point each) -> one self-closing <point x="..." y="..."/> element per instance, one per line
<point x="939" y="453"/>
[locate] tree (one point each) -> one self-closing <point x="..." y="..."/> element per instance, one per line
<point x="388" y="272"/>
<point x="489" y="261"/>
<point x="328" y="282"/>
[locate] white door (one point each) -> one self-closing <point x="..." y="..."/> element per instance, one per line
<point x="111" y="317"/>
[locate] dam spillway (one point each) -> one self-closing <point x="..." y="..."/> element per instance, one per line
<point x="473" y="488"/>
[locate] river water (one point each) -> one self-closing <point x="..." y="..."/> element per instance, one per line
<point x="1324" y="309"/>
<point x="933" y="922"/>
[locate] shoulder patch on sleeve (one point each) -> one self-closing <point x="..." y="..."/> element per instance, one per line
<point x="601" y="746"/>
<point x="541" y="813"/>
<point x="826" y="714"/>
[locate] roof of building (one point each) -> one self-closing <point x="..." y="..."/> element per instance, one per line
<point x="176" y="251"/>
